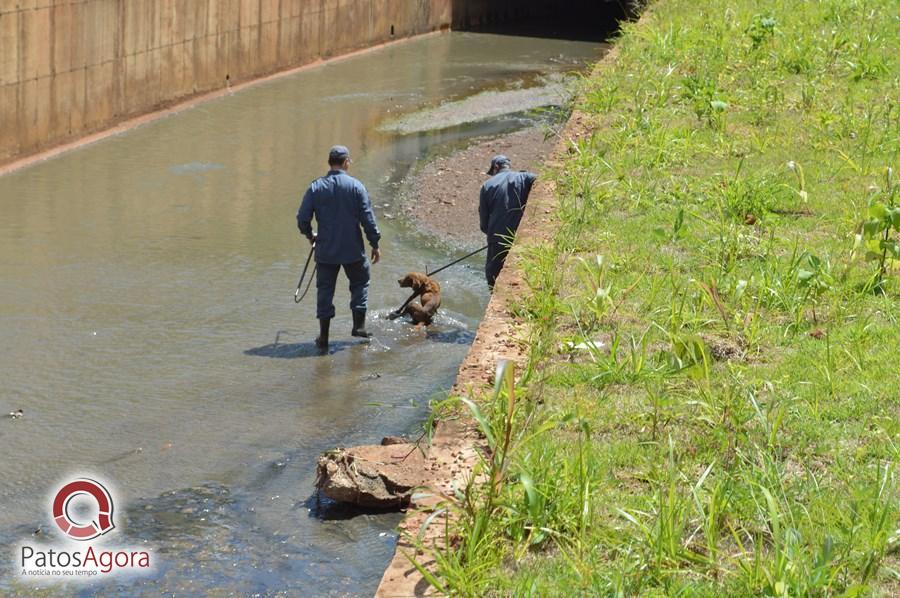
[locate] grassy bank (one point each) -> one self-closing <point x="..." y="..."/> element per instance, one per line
<point x="711" y="406"/>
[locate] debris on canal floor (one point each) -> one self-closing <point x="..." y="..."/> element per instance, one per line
<point x="373" y="476"/>
<point x="398" y="474"/>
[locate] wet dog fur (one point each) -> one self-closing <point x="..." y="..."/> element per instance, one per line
<point x="429" y="293"/>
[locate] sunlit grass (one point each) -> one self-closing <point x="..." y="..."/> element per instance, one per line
<point x="711" y="402"/>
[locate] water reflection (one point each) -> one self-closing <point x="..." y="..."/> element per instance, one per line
<point x="143" y="277"/>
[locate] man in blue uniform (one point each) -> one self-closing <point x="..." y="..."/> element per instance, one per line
<point x="341" y="205"/>
<point x="500" y="208"/>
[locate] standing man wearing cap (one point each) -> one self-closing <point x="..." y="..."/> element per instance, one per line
<point x="341" y="205"/>
<point x="500" y="208"/>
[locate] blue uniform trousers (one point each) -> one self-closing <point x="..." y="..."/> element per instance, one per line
<point x="496" y="255"/>
<point x="326" y="280"/>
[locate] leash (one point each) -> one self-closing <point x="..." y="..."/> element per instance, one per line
<point x="298" y="297"/>
<point x="396" y="313"/>
<point x="453" y="263"/>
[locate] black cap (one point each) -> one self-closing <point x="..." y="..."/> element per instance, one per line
<point x="338" y="153"/>
<point x="498" y="161"/>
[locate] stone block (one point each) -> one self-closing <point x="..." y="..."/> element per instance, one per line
<point x="76" y="88"/>
<point x="249" y="13"/>
<point x="226" y="56"/>
<point x="137" y="26"/>
<point x="168" y="18"/>
<point x="63" y="26"/>
<point x="230" y="14"/>
<point x="61" y="105"/>
<point x="268" y="11"/>
<point x="295" y="7"/>
<point x="44" y="102"/>
<point x="184" y="16"/>
<point x="153" y="94"/>
<point x="9" y="48"/>
<point x="35" y="32"/>
<point x="169" y="70"/>
<point x="186" y="69"/>
<point x="28" y="114"/>
<point x="310" y="37"/>
<point x="99" y="21"/>
<point x="198" y="22"/>
<point x="248" y="54"/>
<point x="9" y="118"/>
<point x="135" y="79"/>
<point x="21" y="5"/>
<point x="99" y="95"/>
<point x="268" y="47"/>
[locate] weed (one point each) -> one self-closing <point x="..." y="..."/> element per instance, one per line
<point x="761" y="29"/>
<point x="661" y="462"/>
<point x="881" y="223"/>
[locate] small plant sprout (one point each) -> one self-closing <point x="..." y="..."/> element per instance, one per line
<point x="717" y="114"/>
<point x="761" y="28"/>
<point x="813" y="276"/>
<point x="881" y="224"/>
<point x="677" y="230"/>
<point x="797" y="169"/>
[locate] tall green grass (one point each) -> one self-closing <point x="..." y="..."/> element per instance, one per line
<point x="711" y="401"/>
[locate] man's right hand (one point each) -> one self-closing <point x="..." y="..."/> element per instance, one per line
<point x="312" y="239"/>
<point x="376" y="256"/>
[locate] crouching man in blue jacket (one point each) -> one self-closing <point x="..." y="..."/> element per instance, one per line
<point x="500" y="208"/>
<point x="340" y="205"/>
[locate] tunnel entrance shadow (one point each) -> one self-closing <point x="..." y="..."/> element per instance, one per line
<point x="576" y="20"/>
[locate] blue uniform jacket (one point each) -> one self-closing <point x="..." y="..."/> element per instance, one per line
<point x="340" y="204"/>
<point x="502" y="202"/>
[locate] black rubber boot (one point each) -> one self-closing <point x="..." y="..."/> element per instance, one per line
<point x="359" y="324"/>
<point x="322" y="339"/>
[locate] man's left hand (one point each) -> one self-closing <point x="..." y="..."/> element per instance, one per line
<point x="376" y="255"/>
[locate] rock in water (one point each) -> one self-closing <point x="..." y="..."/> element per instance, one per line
<point x="371" y="476"/>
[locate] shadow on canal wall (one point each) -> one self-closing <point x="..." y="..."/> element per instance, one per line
<point x="71" y="68"/>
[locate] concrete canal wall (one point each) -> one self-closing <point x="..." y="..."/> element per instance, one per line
<point x="72" y="67"/>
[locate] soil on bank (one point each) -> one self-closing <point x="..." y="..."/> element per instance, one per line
<point x="441" y="198"/>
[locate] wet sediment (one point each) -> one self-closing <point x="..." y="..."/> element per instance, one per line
<point x="441" y="198"/>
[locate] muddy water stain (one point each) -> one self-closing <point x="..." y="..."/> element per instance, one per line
<point x="150" y="337"/>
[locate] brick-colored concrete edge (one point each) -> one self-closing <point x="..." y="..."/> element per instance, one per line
<point x="184" y="104"/>
<point x="500" y="336"/>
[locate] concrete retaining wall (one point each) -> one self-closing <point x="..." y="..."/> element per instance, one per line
<point x="70" y="67"/>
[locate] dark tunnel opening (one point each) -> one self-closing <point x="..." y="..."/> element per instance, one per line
<point x="584" y="20"/>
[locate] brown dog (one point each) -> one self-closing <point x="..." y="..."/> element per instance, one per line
<point x="429" y="293"/>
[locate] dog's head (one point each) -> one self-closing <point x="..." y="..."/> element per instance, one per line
<point x="421" y="283"/>
<point x="414" y="280"/>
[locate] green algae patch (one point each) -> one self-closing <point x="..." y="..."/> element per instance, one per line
<point x="711" y="403"/>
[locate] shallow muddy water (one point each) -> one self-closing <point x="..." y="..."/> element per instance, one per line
<point x="150" y="337"/>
